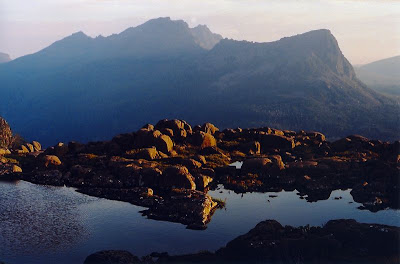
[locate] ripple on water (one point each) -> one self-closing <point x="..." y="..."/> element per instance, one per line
<point x="37" y="219"/>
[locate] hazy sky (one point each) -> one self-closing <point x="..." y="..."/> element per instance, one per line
<point x="366" y="30"/>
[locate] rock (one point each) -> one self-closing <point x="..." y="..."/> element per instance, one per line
<point x="339" y="241"/>
<point x="146" y="138"/>
<point x="125" y="141"/>
<point x="276" y="142"/>
<point x="177" y="177"/>
<point x="150" y="177"/>
<point x="61" y="149"/>
<point x="256" y="165"/>
<point x="190" y="207"/>
<point x="4" y="151"/>
<point x="209" y="128"/>
<point x="167" y="131"/>
<point x="164" y="143"/>
<point x="23" y="150"/>
<point x="37" y="146"/>
<point x="180" y="128"/>
<point x="47" y="177"/>
<point x="201" y="159"/>
<point x="148" y="127"/>
<point x="191" y="164"/>
<point x="277" y="161"/>
<point x="51" y="161"/>
<point x="202" y="181"/>
<point x="6" y="136"/>
<point x="30" y="147"/>
<point x="111" y="257"/>
<point x="75" y="147"/>
<point x="148" y="154"/>
<point x="16" y="169"/>
<point x="204" y="140"/>
<point x="251" y="148"/>
<point x="316" y="135"/>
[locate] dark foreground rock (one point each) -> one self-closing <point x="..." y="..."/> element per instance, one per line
<point x="170" y="167"/>
<point x="112" y="257"/>
<point x="338" y="241"/>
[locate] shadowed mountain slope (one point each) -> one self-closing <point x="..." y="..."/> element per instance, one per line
<point x="86" y="88"/>
<point x="382" y="75"/>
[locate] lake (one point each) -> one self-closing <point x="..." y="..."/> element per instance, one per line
<point x="43" y="224"/>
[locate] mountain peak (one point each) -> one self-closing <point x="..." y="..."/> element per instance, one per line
<point x="204" y="37"/>
<point x="4" y="57"/>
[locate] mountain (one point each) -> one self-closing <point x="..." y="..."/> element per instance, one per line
<point x="4" y="57"/>
<point x="83" y="88"/>
<point x="382" y="75"/>
<point x="204" y="37"/>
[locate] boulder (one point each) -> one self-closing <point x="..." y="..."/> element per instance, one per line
<point x="316" y="135"/>
<point x="148" y="127"/>
<point x="256" y="165"/>
<point x="202" y="181"/>
<point x="164" y="143"/>
<point x="277" y="161"/>
<point x="148" y="154"/>
<point x="30" y="147"/>
<point x="125" y="141"/>
<point x="37" y="146"/>
<point x="180" y="128"/>
<point x="23" y="150"/>
<point x="276" y="142"/>
<point x="76" y="147"/>
<point x="16" y="169"/>
<point x="191" y="164"/>
<point x="251" y="148"/>
<point x="51" y="161"/>
<point x="146" y="138"/>
<point x="177" y="177"/>
<point x="204" y="140"/>
<point x="4" y="151"/>
<point x="61" y="149"/>
<point x="6" y="136"/>
<point x="209" y="128"/>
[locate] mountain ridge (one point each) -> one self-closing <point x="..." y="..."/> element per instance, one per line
<point x="303" y="81"/>
<point x="382" y="75"/>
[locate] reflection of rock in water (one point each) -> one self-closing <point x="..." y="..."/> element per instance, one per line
<point x="35" y="220"/>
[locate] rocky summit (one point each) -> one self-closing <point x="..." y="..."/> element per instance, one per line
<point x="170" y="166"/>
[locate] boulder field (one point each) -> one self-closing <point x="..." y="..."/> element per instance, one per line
<point x="170" y="166"/>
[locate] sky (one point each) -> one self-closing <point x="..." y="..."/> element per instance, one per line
<point x="367" y="30"/>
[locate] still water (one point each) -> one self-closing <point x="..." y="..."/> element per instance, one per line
<point x="42" y="224"/>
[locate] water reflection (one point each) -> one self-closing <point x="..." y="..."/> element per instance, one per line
<point x="58" y="225"/>
<point x="35" y="220"/>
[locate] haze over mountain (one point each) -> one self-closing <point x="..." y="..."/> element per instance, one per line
<point x="83" y="88"/>
<point x="382" y="75"/>
<point x="4" y="57"/>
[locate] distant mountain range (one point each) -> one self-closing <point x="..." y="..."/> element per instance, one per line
<point x="83" y="88"/>
<point x="4" y="57"/>
<point x="382" y="75"/>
